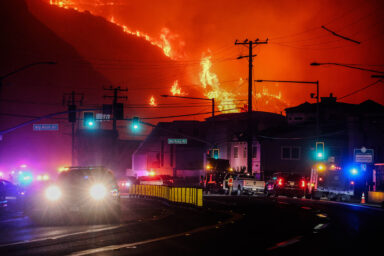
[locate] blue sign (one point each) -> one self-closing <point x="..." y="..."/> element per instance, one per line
<point x="45" y="127"/>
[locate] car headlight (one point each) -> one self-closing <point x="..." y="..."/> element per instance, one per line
<point x="53" y="193"/>
<point x="98" y="191"/>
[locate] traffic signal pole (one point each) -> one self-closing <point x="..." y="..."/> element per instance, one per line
<point x="71" y="102"/>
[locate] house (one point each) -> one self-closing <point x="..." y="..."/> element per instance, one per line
<point x="224" y="132"/>
<point x="344" y="128"/>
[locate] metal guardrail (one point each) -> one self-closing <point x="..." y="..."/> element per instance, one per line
<point x="184" y="195"/>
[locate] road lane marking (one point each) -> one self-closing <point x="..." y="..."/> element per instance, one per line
<point x="163" y="215"/>
<point x="158" y="239"/>
<point x="319" y="227"/>
<point x="321" y="215"/>
<point x="285" y="243"/>
<point x="62" y="236"/>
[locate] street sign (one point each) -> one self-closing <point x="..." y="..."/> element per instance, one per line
<point x="177" y="141"/>
<point x="45" y="127"/>
<point x="363" y="155"/>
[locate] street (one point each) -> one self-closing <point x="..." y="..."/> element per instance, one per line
<point x="225" y="226"/>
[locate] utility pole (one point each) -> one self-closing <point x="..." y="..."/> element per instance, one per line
<point x="70" y="98"/>
<point x="250" y="45"/>
<point x="115" y="105"/>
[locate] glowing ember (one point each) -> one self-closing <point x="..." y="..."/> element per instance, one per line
<point x="176" y="90"/>
<point x="211" y="84"/>
<point x="152" y="102"/>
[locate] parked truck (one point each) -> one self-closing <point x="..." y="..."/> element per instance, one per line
<point x="242" y="184"/>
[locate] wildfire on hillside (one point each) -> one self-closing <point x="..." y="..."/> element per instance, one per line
<point x="173" y="47"/>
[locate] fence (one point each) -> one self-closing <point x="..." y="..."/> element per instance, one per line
<point x="193" y="196"/>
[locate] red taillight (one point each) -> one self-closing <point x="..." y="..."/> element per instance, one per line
<point x="303" y="183"/>
<point x="280" y="182"/>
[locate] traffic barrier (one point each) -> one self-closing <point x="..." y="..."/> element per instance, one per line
<point x="375" y="197"/>
<point x="184" y="195"/>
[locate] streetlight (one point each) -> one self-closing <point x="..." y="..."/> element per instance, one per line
<point x="317" y="96"/>
<point x="194" y="98"/>
<point x="345" y="65"/>
<point x="23" y="68"/>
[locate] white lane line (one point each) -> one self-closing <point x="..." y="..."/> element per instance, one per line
<point x="135" y="244"/>
<point x="285" y="243"/>
<point x="320" y="226"/>
<point x="63" y="236"/>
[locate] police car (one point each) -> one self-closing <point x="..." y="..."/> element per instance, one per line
<point x="11" y="197"/>
<point x="88" y="194"/>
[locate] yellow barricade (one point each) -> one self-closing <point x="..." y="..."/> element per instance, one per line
<point x="185" y="195"/>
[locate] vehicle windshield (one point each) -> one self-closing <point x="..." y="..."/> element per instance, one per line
<point x="85" y="175"/>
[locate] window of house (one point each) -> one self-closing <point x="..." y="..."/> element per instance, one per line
<point x="245" y="152"/>
<point x="295" y="153"/>
<point x="235" y="152"/>
<point x="290" y="153"/>
<point x="254" y="152"/>
<point x="285" y="153"/>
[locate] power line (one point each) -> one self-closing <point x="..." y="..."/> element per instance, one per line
<point x="361" y="89"/>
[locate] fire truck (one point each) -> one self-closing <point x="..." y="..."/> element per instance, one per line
<point x="215" y="172"/>
<point x="327" y="180"/>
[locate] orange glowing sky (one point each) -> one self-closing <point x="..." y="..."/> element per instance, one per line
<point x="197" y="29"/>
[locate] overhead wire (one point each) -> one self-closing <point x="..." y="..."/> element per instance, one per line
<point x="361" y="89"/>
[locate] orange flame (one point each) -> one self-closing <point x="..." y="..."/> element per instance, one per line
<point x="210" y="82"/>
<point x="176" y="90"/>
<point x="163" y="42"/>
<point x="152" y="102"/>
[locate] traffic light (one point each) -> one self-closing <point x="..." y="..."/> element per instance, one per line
<point x="320" y="154"/>
<point x="215" y="152"/>
<point x="72" y="113"/>
<point x="135" y="123"/>
<point x="89" y="120"/>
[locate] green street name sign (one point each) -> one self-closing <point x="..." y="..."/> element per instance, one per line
<point x="177" y="141"/>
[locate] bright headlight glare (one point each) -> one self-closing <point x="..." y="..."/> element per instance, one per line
<point x="53" y="193"/>
<point x="98" y="191"/>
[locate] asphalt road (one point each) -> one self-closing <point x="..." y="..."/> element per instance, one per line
<point x="224" y="226"/>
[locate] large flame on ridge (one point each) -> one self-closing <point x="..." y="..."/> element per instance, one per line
<point x="164" y="39"/>
<point x="211" y="84"/>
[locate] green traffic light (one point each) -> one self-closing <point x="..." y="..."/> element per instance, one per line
<point x="135" y="124"/>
